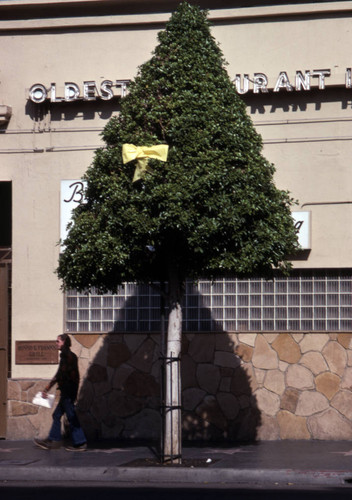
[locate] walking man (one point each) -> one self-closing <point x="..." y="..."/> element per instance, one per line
<point x="67" y="379"/>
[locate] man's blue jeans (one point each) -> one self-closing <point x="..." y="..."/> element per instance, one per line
<point x="66" y="405"/>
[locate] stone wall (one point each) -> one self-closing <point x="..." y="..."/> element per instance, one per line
<point x="235" y="387"/>
<point x="25" y="420"/>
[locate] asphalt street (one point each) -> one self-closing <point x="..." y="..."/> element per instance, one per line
<point x="37" y="491"/>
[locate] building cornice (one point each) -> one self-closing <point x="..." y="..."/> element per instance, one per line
<point x="5" y="114"/>
<point x="65" y="14"/>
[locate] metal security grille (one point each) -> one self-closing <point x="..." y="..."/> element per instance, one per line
<point x="305" y="301"/>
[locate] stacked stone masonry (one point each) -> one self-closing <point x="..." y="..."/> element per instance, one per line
<point x="235" y="387"/>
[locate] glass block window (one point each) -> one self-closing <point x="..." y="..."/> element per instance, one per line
<point x="304" y="301"/>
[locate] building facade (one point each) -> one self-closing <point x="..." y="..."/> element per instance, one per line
<point x="261" y="360"/>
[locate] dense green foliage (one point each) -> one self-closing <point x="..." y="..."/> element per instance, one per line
<point x="211" y="209"/>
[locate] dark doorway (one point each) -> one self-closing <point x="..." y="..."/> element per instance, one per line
<point x="5" y="296"/>
<point x="5" y="214"/>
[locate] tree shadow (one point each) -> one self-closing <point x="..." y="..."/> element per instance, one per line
<point x="120" y="394"/>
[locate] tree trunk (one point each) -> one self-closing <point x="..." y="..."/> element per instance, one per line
<point x="173" y="415"/>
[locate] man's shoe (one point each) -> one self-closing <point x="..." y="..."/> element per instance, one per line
<point x="48" y="444"/>
<point x="77" y="447"/>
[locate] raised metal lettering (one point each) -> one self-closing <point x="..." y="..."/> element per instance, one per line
<point x="260" y="83"/>
<point x="302" y="81"/>
<point x="38" y="93"/>
<point x="106" y="92"/>
<point x="237" y="81"/>
<point x="321" y="74"/>
<point x="72" y="91"/>
<point x="122" y="84"/>
<point x="53" y="97"/>
<point x="89" y="91"/>
<point x="283" y="82"/>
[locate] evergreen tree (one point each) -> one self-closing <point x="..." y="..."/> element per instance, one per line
<point x="211" y="209"/>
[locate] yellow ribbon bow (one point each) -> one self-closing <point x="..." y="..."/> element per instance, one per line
<point x="142" y="154"/>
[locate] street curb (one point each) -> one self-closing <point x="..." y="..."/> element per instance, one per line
<point x="182" y="476"/>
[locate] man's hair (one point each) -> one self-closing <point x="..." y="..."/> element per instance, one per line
<point x="66" y="339"/>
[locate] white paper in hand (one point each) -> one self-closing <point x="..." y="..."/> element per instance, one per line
<point x="46" y="402"/>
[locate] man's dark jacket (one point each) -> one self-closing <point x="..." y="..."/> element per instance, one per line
<point x="67" y="375"/>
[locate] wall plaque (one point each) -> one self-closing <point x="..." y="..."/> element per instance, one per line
<point x="36" y="352"/>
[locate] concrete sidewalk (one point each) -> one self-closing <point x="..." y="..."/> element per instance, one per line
<point x="327" y="463"/>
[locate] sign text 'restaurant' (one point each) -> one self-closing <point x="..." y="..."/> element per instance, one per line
<point x="90" y="90"/>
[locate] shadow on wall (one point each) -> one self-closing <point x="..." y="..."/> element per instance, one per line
<point x="120" y="394"/>
<point x="70" y="111"/>
<point x="296" y="102"/>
